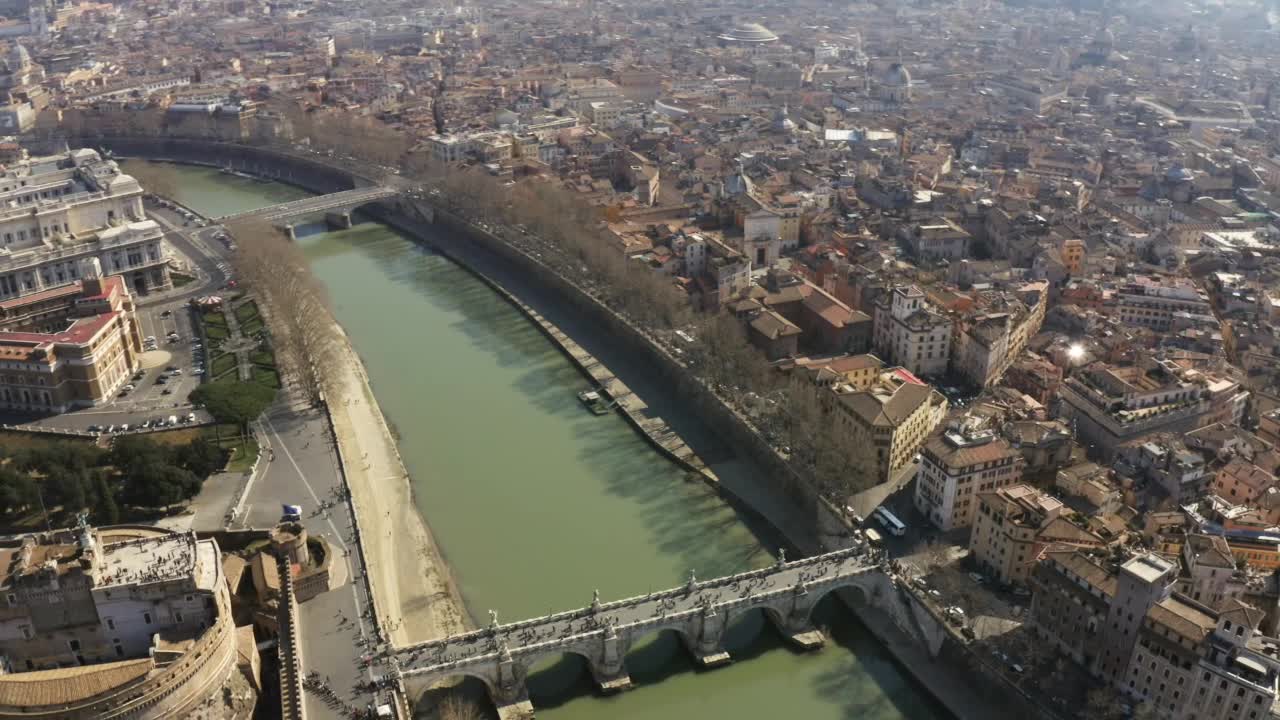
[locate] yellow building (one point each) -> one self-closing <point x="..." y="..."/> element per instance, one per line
<point x="893" y="416"/>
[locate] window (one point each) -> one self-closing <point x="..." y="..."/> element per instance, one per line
<point x="111" y="623"/>
<point x="146" y="618"/>
<point x="74" y="645"/>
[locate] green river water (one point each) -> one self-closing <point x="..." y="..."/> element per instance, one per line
<point x="535" y="502"/>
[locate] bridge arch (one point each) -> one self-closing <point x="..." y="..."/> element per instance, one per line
<point x="418" y="686"/>
<point x="855" y="585"/>
<point x="536" y="662"/>
<point x="558" y="673"/>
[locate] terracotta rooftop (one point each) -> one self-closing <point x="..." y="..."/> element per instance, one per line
<point x="968" y="455"/>
<point x="62" y="686"/>
<point x="1182" y="618"/>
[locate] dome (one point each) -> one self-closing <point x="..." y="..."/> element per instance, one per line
<point x="897" y="75"/>
<point x="749" y="33"/>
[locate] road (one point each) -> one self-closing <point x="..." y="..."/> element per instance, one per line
<point x="301" y="467"/>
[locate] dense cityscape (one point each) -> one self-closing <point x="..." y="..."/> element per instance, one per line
<point x="896" y="360"/>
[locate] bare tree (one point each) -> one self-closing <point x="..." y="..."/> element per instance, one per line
<point x="305" y="337"/>
<point x="156" y="178"/>
<point x="457" y="707"/>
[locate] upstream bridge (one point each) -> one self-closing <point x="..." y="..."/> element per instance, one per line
<point x="335" y="207"/>
<point x="602" y="633"/>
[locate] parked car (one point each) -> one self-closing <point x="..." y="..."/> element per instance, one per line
<point x="191" y="417"/>
<point x="167" y="391"/>
<point x="166" y="313"/>
<point x="977" y="577"/>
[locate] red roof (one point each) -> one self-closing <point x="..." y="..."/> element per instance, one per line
<point x="80" y="332"/>
<point x="40" y="296"/>
<point x="908" y="376"/>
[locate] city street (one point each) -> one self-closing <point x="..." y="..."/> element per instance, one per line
<point x="300" y="467"/>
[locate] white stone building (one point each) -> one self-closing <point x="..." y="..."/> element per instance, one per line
<point x="121" y="622"/>
<point x="908" y="332"/>
<point x="956" y="466"/>
<point x="58" y="210"/>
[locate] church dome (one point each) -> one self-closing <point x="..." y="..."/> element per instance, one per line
<point x="749" y="33"/>
<point x="897" y="75"/>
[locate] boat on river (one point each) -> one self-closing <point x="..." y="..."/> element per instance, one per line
<point x="594" y="402"/>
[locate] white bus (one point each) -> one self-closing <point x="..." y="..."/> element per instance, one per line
<point x="890" y="522"/>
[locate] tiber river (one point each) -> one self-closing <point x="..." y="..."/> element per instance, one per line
<point x="535" y="502"/>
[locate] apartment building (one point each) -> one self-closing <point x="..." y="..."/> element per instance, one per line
<point x="1152" y="303"/>
<point x="987" y="343"/>
<point x="1209" y="573"/>
<point x="1130" y="628"/>
<point x="58" y="210"/>
<point x="67" y="348"/>
<point x="959" y="464"/>
<point x="937" y="240"/>
<point x="1014" y="525"/>
<point x="893" y="416"/>
<point x="1112" y="404"/>
<point x="908" y="332"/>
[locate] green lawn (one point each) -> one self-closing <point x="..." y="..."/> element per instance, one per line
<point x="262" y="357"/>
<point x="247" y="312"/>
<point x="215" y="318"/>
<point x="222" y="363"/>
<point x="264" y="376"/>
<point x="180" y="280"/>
<point x="253" y="327"/>
<point x="216" y="332"/>
<point x="243" y="455"/>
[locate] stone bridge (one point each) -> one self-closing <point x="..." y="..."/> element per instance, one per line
<point x="603" y="633"/>
<point x="335" y="207"/>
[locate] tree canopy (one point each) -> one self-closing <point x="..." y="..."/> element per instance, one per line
<point x="235" y="402"/>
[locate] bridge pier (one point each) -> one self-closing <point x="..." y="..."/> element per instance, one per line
<point x="796" y="625"/>
<point x="706" y="644"/>
<point x="610" y="671"/>
<point x="510" y="693"/>
<point x="338" y="220"/>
